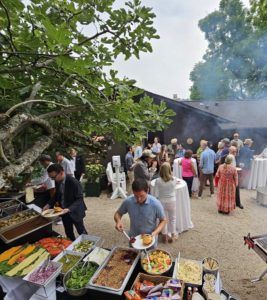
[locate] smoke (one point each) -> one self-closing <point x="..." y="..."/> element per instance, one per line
<point x="234" y="66"/>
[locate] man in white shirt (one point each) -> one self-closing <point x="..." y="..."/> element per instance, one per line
<point x="65" y="163"/>
<point x="46" y="186"/>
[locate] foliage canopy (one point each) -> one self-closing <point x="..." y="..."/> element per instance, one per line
<point x="63" y="51"/>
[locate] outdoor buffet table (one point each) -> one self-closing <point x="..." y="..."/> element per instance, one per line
<point x="177" y="172"/>
<point x="183" y="206"/>
<point x="258" y="174"/>
<point x="17" y="288"/>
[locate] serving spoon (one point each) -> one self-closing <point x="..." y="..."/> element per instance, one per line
<point x="148" y="260"/>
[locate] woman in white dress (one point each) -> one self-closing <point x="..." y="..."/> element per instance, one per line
<point x="165" y="192"/>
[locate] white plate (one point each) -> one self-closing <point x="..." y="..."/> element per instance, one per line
<point x="49" y="213"/>
<point x="138" y="244"/>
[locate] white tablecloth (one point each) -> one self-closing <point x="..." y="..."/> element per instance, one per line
<point x="177" y="172"/>
<point x="258" y="175"/>
<point x="183" y="207"/>
<point x="18" y="289"/>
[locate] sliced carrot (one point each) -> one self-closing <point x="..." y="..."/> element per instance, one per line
<point x="24" y="253"/>
<point x="9" y="253"/>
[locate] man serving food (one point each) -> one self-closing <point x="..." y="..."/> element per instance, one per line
<point x="145" y="211"/>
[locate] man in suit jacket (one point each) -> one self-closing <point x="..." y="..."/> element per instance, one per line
<point x="69" y="195"/>
<point x="79" y="165"/>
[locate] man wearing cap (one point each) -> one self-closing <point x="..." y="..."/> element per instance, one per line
<point x="46" y="189"/>
<point x="237" y="141"/>
<point x="145" y="167"/>
<point x="172" y="149"/>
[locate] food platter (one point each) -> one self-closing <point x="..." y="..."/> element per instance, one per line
<point x="210" y="265"/>
<point x="17" y="231"/>
<point x="98" y="256"/>
<point x="160" y="262"/>
<point x="76" y="280"/>
<point x="189" y="271"/>
<point x="62" y="254"/>
<point x="14" y="209"/>
<point x="116" y="268"/>
<point x="84" y="237"/>
<point x="17" y="219"/>
<point x="138" y="244"/>
<point x="56" y="265"/>
<point x="52" y="213"/>
<point x="9" y="203"/>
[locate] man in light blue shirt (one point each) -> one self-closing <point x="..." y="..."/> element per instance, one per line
<point x="145" y="211"/>
<point x="206" y="167"/>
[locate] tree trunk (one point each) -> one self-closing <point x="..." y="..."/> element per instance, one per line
<point x="25" y="160"/>
<point x="8" y="132"/>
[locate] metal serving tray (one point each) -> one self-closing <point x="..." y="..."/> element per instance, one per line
<point x="85" y="237"/>
<point x="14" y="209"/>
<point x="105" y="289"/>
<point x="57" y="258"/>
<point x="175" y="275"/>
<point x="3" y="214"/>
<point x="19" y="223"/>
<point x="7" y="241"/>
<point x="11" y="195"/>
<point x="10" y="203"/>
<point x="53" y="277"/>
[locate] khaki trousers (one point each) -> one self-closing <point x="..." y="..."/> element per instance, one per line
<point x="202" y="181"/>
<point x="130" y="175"/>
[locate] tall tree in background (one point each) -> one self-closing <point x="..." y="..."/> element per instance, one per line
<point x="56" y="75"/>
<point x="233" y="66"/>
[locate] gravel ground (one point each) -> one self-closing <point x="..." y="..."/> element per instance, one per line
<point x="215" y="235"/>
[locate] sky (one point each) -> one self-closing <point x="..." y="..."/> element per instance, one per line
<point x="181" y="45"/>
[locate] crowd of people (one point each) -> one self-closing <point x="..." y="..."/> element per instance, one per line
<point x="227" y="167"/>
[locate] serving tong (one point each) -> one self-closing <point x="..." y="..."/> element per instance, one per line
<point x="65" y="254"/>
<point x="46" y="264"/>
<point x="146" y="254"/>
<point x="148" y="260"/>
<point x="19" y="207"/>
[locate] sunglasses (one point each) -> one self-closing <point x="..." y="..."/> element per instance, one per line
<point x="53" y="177"/>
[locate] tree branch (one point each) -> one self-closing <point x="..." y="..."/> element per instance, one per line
<point x="92" y="37"/>
<point x="32" y="53"/>
<point x="8" y="26"/>
<point x="57" y="113"/>
<point x="34" y="91"/>
<point x="67" y="79"/>
<point x="2" y="154"/>
<point x="33" y="101"/>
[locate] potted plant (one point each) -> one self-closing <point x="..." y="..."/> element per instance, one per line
<point x="93" y="174"/>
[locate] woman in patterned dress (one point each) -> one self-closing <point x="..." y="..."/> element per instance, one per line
<point x="228" y="180"/>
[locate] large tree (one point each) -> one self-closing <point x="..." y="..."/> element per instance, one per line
<point x="233" y="66"/>
<point x="56" y="76"/>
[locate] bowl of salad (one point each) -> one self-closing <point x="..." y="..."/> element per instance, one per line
<point x="75" y="280"/>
